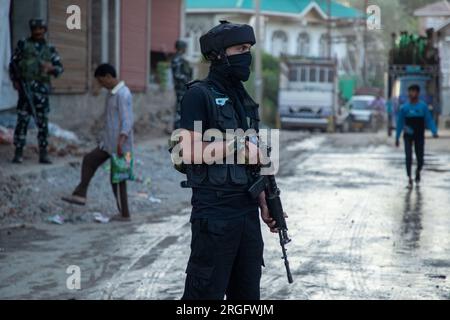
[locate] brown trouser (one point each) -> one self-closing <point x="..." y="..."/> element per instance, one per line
<point x="91" y="162"/>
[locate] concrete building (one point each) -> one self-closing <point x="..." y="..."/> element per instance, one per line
<point x="437" y="16"/>
<point x="433" y="15"/>
<point x="444" y="52"/>
<point x="294" y="27"/>
<point x="132" y="35"/>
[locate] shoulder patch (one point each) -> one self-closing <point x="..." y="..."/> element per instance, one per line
<point x="221" y="101"/>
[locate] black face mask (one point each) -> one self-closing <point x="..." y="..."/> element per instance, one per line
<point x="240" y="65"/>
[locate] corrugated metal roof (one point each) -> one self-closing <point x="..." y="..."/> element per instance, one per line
<point x="294" y="7"/>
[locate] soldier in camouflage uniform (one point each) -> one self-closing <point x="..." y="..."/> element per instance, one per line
<point x="182" y="74"/>
<point x="36" y="62"/>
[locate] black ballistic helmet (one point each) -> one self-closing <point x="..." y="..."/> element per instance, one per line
<point x="180" y="45"/>
<point x="37" y="23"/>
<point x="223" y="36"/>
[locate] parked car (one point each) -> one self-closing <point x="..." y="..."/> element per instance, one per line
<point x="362" y="114"/>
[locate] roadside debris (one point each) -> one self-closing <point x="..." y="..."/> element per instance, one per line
<point x="6" y="136"/>
<point x="146" y="196"/>
<point x="21" y="193"/>
<point x="140" y="195"/>
<point x="100" y="218"/>
<point x="58" y="132"/>
<point x="56" y="219"/>
<point x="61" y="143"/>
<point x="154" y="200"/>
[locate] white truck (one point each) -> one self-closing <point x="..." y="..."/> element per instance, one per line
<point x="308" y="95"/>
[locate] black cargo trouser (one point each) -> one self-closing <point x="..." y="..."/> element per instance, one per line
<point x="418" y="141"/>
<point x="91" y="162"/>
<point x="177" y="114"/>
<point x="226" y="259"/>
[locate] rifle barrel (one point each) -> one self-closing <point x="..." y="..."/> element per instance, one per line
<point x="285" y="258"/>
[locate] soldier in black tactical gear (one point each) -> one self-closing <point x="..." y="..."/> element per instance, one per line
<point x="227" y="246"/>
<point x="182" y="74"/>
<point x="33" y="63"/>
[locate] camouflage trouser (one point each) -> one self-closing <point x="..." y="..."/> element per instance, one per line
<point x="177" y="116"/>
<point x="24" y="113"/>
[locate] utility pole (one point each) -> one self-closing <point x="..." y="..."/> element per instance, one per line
<point x="334" y="106"/>
<point x="258" y="58"/>
<point x="364" y="71"/>
<point x="329" y="29"/>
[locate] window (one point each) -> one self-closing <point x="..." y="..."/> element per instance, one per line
<point x="303" y="74"/>
<point x="293" y="75"/>
<point x="323" y="46"/>
<point x="103" y="32"/>
<point x="322" y="75"/>
<point x="313" y="74"/>
<point x="303" y="43"/>
<point x="331" y="76"/>
<point x="193" y="35"/>
<point x="279" y="43"/>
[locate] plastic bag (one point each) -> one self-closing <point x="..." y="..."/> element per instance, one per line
<point x="122" y="168"/>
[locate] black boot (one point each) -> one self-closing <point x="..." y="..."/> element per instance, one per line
<point x="43" y="157"/>
<point x="418" y="176"/>
<point x="410" y="183"/>
<point x="18" y="156"/>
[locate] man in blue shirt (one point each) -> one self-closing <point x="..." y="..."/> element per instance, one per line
<point x="413" y="118"/>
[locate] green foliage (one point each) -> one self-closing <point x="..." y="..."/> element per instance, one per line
<point x="396" y="16"/>
<point x="162" y="73"/>
<point x="411" y="5"/>
<point x="376" y="83"/>
<point x="271" y="78"/>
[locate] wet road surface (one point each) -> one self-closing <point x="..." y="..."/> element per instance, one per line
<point x="357" y="233"/>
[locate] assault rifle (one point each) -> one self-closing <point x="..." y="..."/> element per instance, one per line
<point x="269" y="185"/>
<point x="23" y="89"/>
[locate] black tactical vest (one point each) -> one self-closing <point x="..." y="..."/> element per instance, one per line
<point x="223" y="114"/>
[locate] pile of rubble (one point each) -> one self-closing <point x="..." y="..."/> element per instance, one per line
<point x="61" y="142"/>
<point x="6" y="136"/>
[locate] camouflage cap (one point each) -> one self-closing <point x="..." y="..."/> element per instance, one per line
<point x="37" y="23"/>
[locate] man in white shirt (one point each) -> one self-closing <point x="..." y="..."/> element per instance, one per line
<point x="117" y="139"/>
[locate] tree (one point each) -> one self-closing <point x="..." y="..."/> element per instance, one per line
<point x="396" y="16"/>
<point x="411" y="5"/>
<point x="271" y="79"/>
